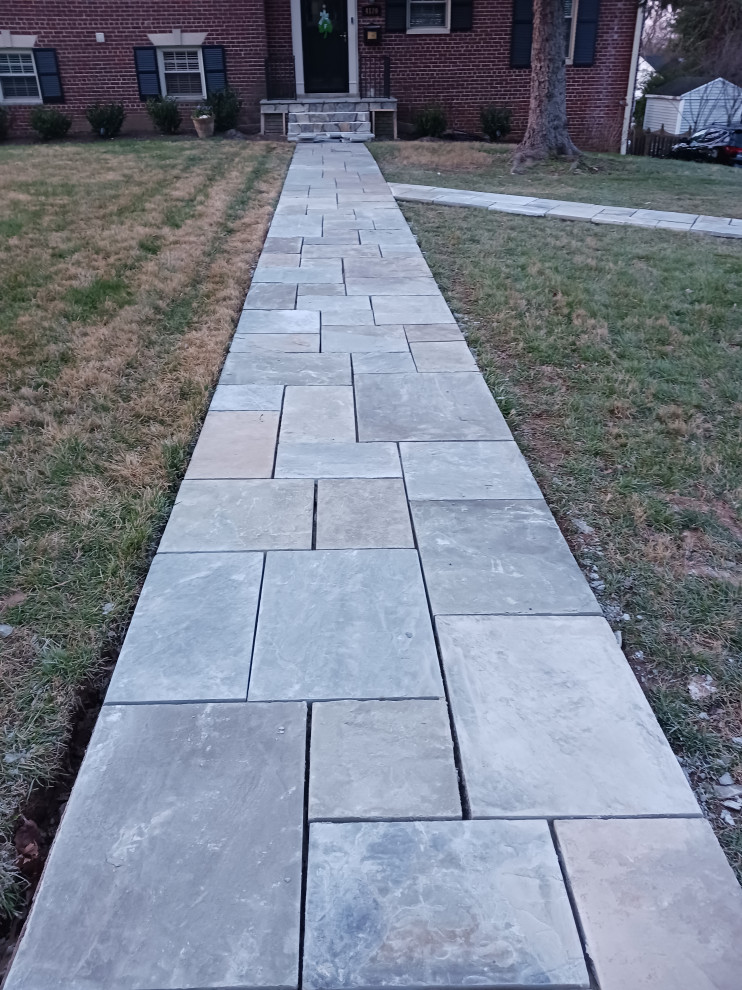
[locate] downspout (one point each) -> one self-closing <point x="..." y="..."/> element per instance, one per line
<point x="638" y="27"/>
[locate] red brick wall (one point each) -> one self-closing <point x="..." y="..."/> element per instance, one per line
<point x="92" y="71"/>
<point x="465" y="70"/>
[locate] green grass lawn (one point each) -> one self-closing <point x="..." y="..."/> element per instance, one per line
<point x="616" y="354"/>
<point x="610" y="180"/>
<point x="123" y="267"/>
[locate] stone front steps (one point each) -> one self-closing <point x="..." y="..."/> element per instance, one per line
<point x="325" y="119"/>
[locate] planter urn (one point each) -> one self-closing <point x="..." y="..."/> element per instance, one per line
<point x="204" y="126"/>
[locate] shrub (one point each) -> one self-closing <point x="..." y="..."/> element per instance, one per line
<point x="226" y="105"/>
<point x="4" y="123"/>
<point x="497" y="122"/>
<point x="106" y="118"/>
<point x="49" y="123"/>
<point x="431" y="121"/>
<point x="165" y="114"/>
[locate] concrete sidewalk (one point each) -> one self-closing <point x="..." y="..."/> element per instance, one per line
<point x="369" y="727"/>
<point x="531" y="206"/>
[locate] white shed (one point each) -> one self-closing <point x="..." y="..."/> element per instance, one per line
<point x="691" y="103"/>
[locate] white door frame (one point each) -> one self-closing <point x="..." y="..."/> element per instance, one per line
<point x="296" y="41"/>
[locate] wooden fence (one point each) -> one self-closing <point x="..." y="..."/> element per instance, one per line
<point x="656" y="144"/>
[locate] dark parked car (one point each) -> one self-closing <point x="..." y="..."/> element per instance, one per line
<point x="718" y="143"/>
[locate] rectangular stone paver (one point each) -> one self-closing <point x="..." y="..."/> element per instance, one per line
<point x="382" y="759"/>
<point x="474" y="470"/>
<point x="337" y="460"/>
<point x="192" y="632"/>
<point x="437" y="904"/>
<point x="504" y="557"/>
<point x="362" y="513"/>
<point x="443" y="356"/>
<point x="231" y="398"/>
<point x="286" y="342"/>
<point x="318" y="412"/>
<point x="337" y="624"/>
<point x="658" y="902"/>
<point x="240" y="515"/>
<point x="551" y="721"/>
<point x="383" y="362"/>
<point x="277" y="321"/>
<point x="235" y="445"/>
<point x="365" y="337"/>
<point x="411" y="309"/>
<point x="178" y="864"/>
<point x="270" y="295"/>
<point x="433" y="332"/>
<point x="286" y="369"/>
<point x="456" y="406"/>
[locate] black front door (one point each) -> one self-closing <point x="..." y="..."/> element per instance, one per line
<point x="324" y="30"/>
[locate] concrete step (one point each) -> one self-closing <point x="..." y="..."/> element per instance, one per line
<point x="337" y="136"/>
<point x="320" y="117"/>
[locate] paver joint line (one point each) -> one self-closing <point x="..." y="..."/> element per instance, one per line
<point x="430" y="765"/>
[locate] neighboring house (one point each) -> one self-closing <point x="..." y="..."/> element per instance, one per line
<point x="692" y="103"/>
<point x="462" y="54"/>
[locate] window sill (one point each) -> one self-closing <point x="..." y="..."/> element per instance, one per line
<point x="179" y="98"/>
<point x="429" y="30"/>
<point x="22" y="101"/>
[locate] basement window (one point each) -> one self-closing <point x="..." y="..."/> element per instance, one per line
<point x="18" y="80"/>
<point x="428" y="16"/>
<point x="181" y="73"/>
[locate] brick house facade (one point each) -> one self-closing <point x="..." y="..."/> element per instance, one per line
<point x="461" y="54"/>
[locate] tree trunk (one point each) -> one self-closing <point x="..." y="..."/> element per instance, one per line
<point x="547" y="135"/>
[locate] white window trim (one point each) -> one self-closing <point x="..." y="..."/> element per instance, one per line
<point x="430" y="30"/>
<point x="572" y="31"/>
<point x="21" y="101"/>
<point x="181" y="97"/>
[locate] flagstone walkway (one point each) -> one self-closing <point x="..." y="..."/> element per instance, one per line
<point x="369" y="727"/>
<point x="531" y="206"/>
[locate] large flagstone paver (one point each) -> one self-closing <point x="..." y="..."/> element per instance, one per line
<point x="290" y="343"/>
<point x="286" y="369"/>
<point x="277" y="321"/>
<point x="270" y="295"/>
<point x="443" y="356"/>
<point x="658" y="902"/>
<point x="179" y="861"/>
<point x="232" y="398"/>
<point x="337" y="460"/>
<point x="381" y="760"/>
<point x="240" y="515"/>
<point x="383" y="362"/>
<point x="503" y="557"/>
<point x="411" y="309"/>
<point x="473" y="470"/>
<point x="192" y="632"/>
<point x="235" y="445"/>
<point x="337" y="624"/>
<point x="365" y="337"/>
<point x="552" y="722"/>
<point x="318" y="412"/>
<point x="437" y="904"/>
<point x="362" y="513"/>
<point x="448" y="406"/>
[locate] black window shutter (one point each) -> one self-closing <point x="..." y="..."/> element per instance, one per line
<point x="522" y="35"/>
<point x="148" y="78"/>
<point x="396" y="15"/>
<point x="215" y="68"/>
<point x="47" y="69"/>
<point x="461" y="15"/>
<point x="586" y="32"/>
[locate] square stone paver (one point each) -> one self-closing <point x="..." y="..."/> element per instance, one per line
<point x="658" y="902"/>
<point x="437" y="904"/>
<point x="433" y="332"/>
<point x="166" y="873"/>
<point x="382" y="759"/>
<point x="362" y="513"/>
<point x="337" y="460"/>
<point x="235" y="445"/>
<point x="369" y="338"/>
<point x="339" y="624"/>
<point x="271" y="295"/>
<point x="411" y="309"/>
<point x="473" y="470"/>
<point x="277" y="321"/>
<point x="383" y="362"/>
<point x="240" y="515"/>
<point x="192" y="632"/>
<point x="318" y="412"/>
<point x="456" y="406"/>
<point x="296" y="343"/>
<point x="443" y="355"/>
<point x="234" y="398"/>
<point x="504" y="557"/>
<point x="551" y="721"/>
<point x="286" y="369"/>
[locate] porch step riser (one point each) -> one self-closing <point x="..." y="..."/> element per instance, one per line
<point x="317" y="117"/>
<point x="320" y="128"/>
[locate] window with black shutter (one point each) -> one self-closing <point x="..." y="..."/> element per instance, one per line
<point x="428" y="16"/>
<point x="580" y="32"/>
<point x="215" y="68"/>
<point x="148" y="76"/>
<point x="19" y="82"/>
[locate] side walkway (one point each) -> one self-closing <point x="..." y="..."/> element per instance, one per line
<point x="369" y="728"/>
<point x="531" y="206"/>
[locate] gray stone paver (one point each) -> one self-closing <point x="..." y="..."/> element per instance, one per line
<point x="382" y="759"/>
<point x="178" y="862"/>
<point x="437" y="904"/>
<point x="568" y="210"/>
<point x="161" y="876"/>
